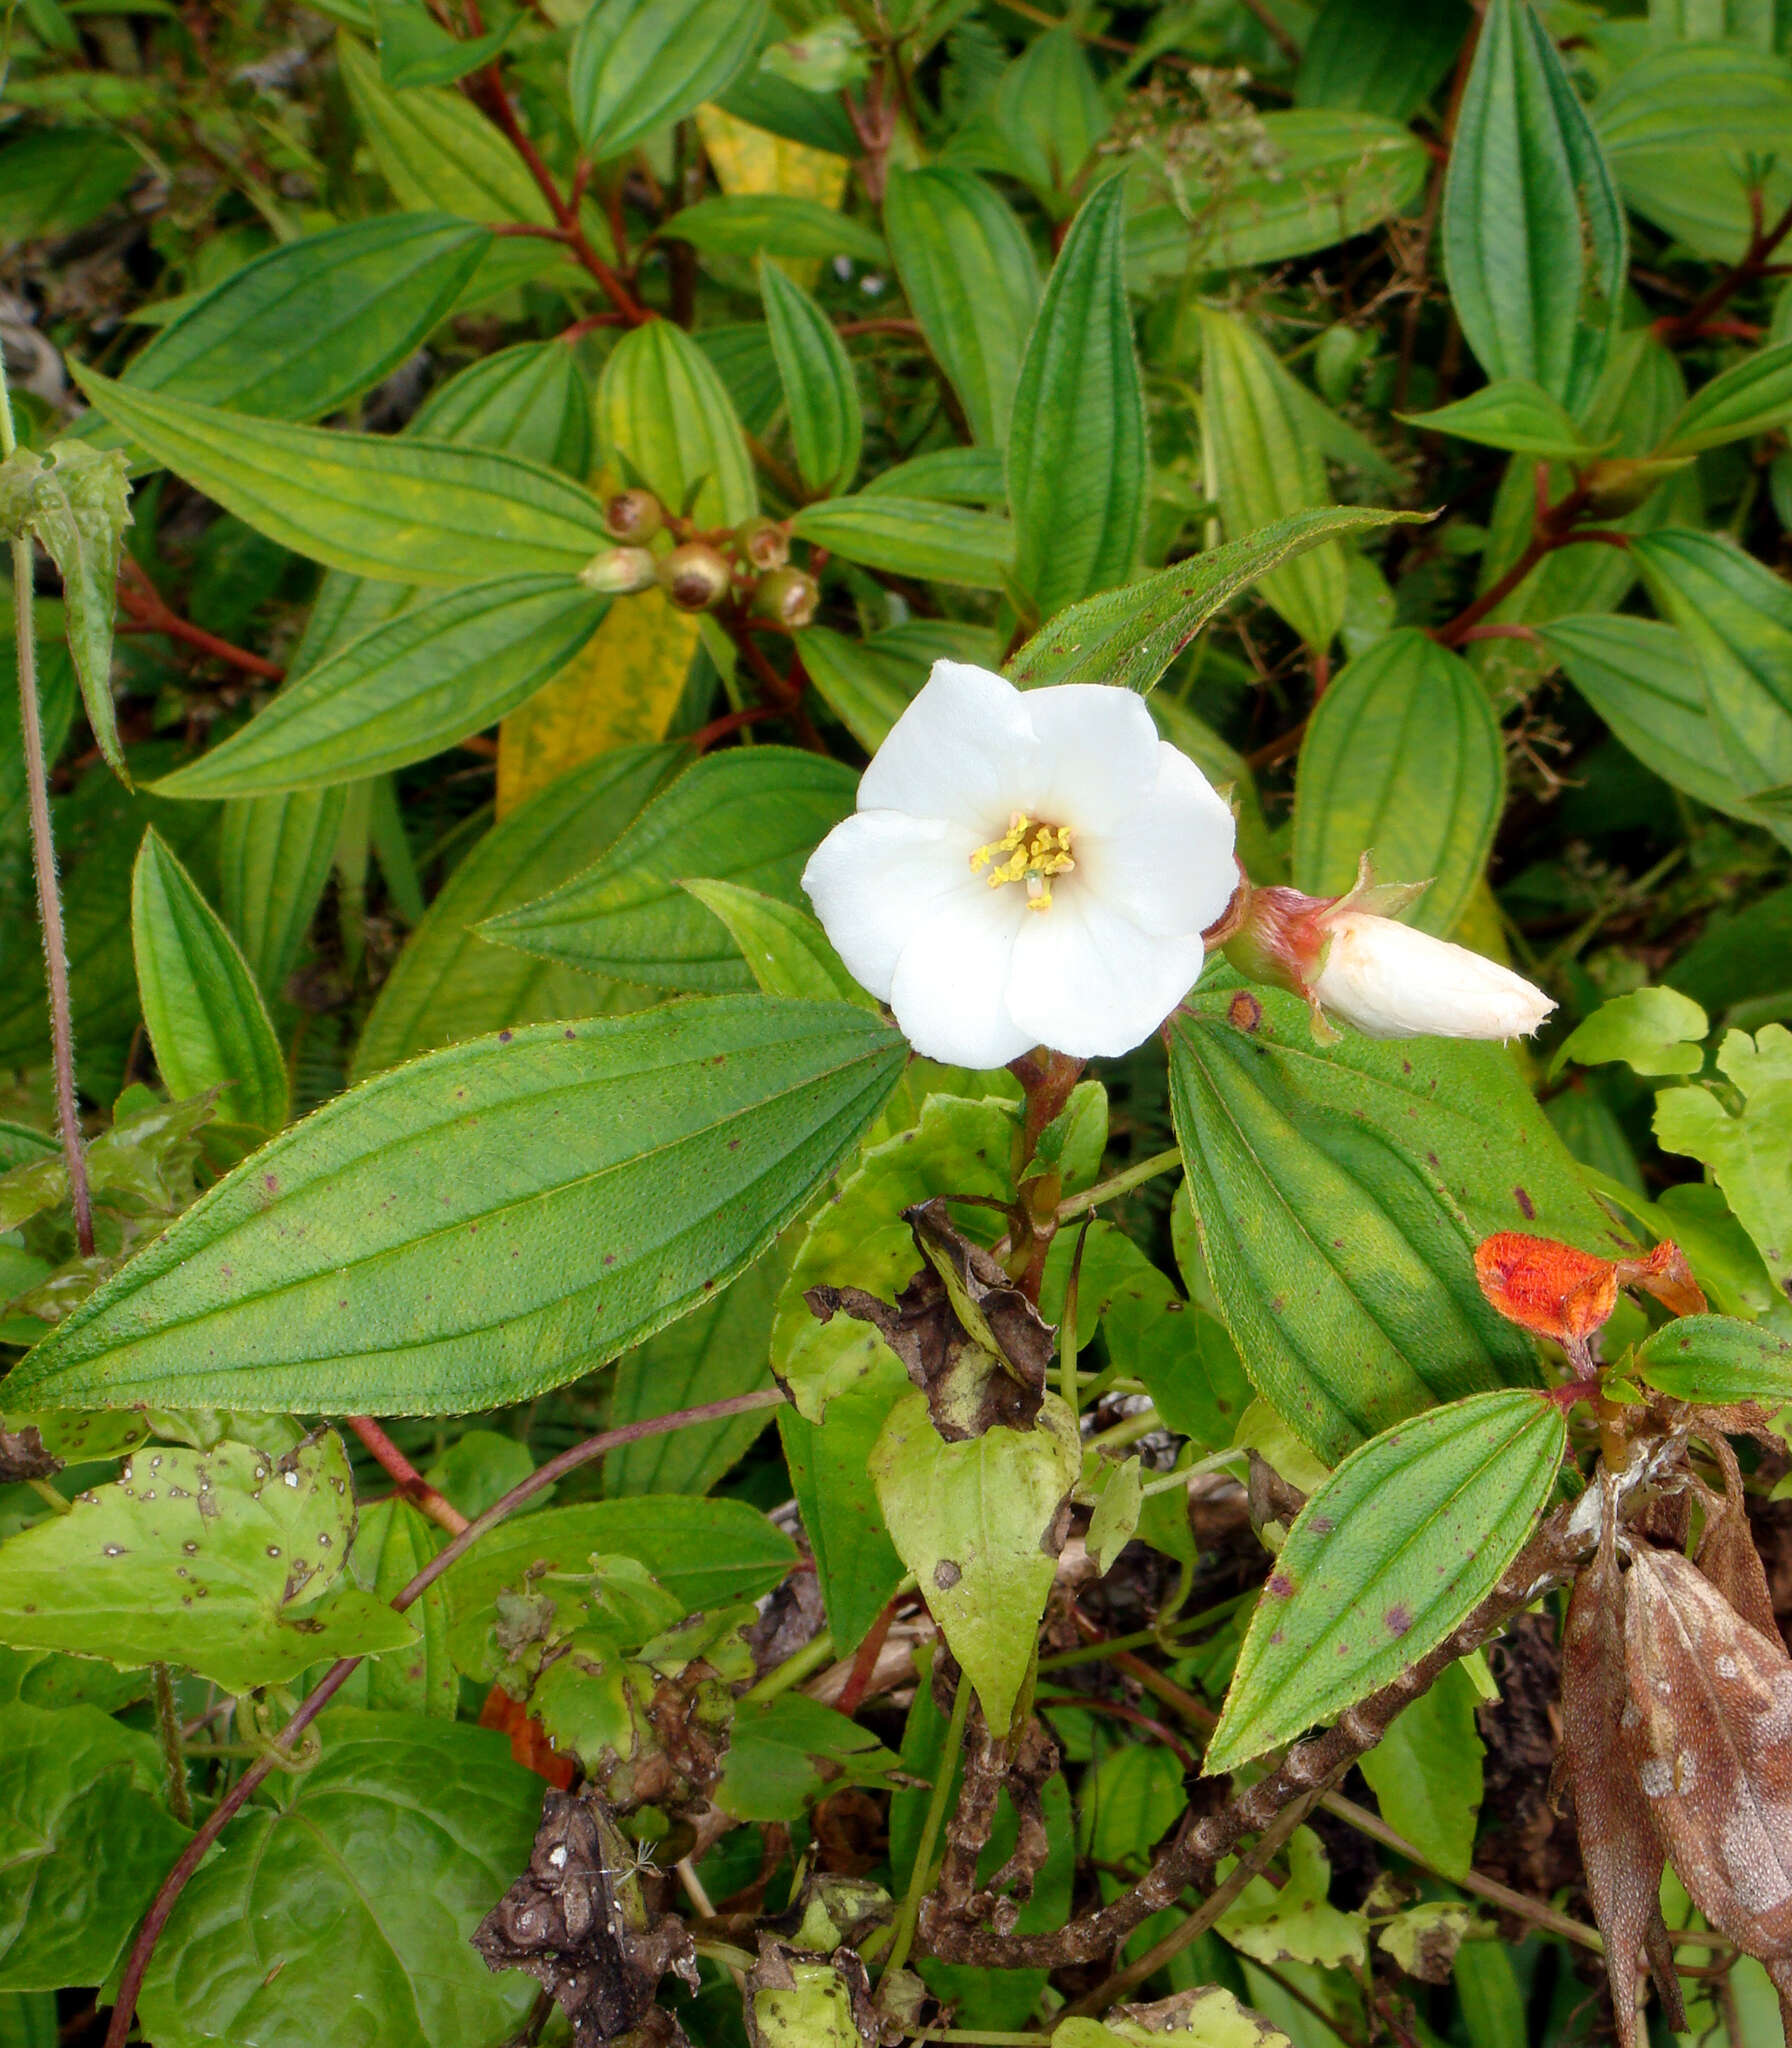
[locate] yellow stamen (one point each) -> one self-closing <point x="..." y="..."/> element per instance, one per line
<point x="1030" y="854"/>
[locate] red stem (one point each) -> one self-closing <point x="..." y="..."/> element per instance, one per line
<point x="706" y="736"/>
<point x="149" y="611"/>
<point x="556" y="1469"/>
<point x="864" y="1663"/>
<point x="405" y="1476"/>
<point x="1675" y="328"/>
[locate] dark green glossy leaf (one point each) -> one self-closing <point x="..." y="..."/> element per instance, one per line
<point x="55" y="180"/>
<point x="1379" y="56"/>
<point x="417" y="511"/>
<point x="1405" y="1539"/>
<point x="753" y="816"/>
<point x="1718" y="1360"/>
<point x="1402" y="759"/>
<point x="488" y="1221"/>
<point x="1131" y="636"/>
<point x="1340" y="1193"/>
<point x="969" y="273"/>
<point x="1076" y="443"/>
<point x="444" y="668"/>
<point x="207" y="1021"/>
<point x="638" y="65"/>
<point x="449" y="983"/>
<point x="84" y="1841"/>
<point x="1533" y="234"/>
<point x="299" y="331"/>
<point x="821" y="393"/>
<point x="352" y="1903"/>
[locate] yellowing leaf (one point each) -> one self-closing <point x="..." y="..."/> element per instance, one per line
<point x="749" y="159"/>
<point x="620" y="690"/>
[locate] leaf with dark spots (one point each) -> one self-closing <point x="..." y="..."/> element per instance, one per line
<point x="578" y="1920"/>
<point x="968" y="1337"/>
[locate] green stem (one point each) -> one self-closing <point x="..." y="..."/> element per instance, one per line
<point x="813" y="1656"/>
<point x="43" y="861"/>
<point x="921" y="1876"/>
<point x="1120" y="1184"/>
<point x="180" y="1799"/>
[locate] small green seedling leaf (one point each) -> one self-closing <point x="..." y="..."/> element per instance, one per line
<point x="1652" y="1030"/>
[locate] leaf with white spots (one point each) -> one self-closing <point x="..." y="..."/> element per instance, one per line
<point x="1403" y="1541"/>
<point x="1712" y="1698"/>
<point x="214" y="1560"/>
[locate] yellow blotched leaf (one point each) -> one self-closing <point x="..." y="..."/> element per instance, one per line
<point x="619" y="691"/>
<point x="749" y="159"/>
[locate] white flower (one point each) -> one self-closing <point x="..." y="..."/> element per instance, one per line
<point x="1393" y="982"/>
<point x="1025" y="868"/>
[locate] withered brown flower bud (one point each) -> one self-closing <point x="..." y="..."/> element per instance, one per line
<point x="762" y="544"/>
<point x="633" y="516"/>
<point x="695" y="576"/>
<point x="1711" y="1704"/>
<point x="787" y="595"/>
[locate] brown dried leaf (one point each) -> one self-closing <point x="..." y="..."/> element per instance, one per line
<point x="1619" y="1848"/>
<point x="578" y="1921"/>
<point x="970" y="1339"/>
<point x="1727" y="1553"/>
<point x="1711" y="1700"/>
<point x="22" y="1456"/>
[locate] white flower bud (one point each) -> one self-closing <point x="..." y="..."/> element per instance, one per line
<point x="1393" y="982"/>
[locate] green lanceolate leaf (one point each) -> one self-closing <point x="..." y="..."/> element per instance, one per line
<point x="786" y="951"/>
<point x="207" y="1021"/>
<point x="975" y="1523"/>
<point x="821" y="393"/>
<point x="753" y="816"/>
<point x="1379" y="56"/>
<point x="530" y="400"/>
<point x="77" y="507"/>
<point x="1076" y="444"/>
<point x="1748" y="398"/>
<point x="415" y="511"/>
<point x="1736" y="615"/>
<point x="1402" y="759"/>
<point x="1266" y="466"/>
<point x="274" y="858"/>
<point x="486" y="1222"/>
<point x="1403" y="1541"/>
<point x="443" y="669"/>
<point x="358" y="1894"/>
<point x="775" y="224"/>
<point x="1340" y="1193"/>
<point x="450" y="983"/>
<point x="638" y="65"/>
<point x="311" y="324"/>
<point x="1513" y="413"/>
<point x="665" y="412"/>
<point x="212" y="1560"/>
<point x="87" y="1843"/>
<point x="1131" y="636"/>
<point x="712" y="1354"/>
<point x="1643" y="680"/>
<point x="1533" y="233"/>
<point x="969" y="273"/>
<point x="912" y="537"/>
<point x="1717" y="1360"/>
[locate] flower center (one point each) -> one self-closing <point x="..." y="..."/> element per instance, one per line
<point x="1027" y="852"/>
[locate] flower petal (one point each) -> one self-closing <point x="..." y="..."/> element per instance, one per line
<point x="1088" y="982"/>
<point x="959" y="751"/>
<point x="1096" y="759"/>
<point x="1167" y="864"/>
<point x="949" y="990"/>
<point x="1393" y="982"/>
<point x="877" y="879"/>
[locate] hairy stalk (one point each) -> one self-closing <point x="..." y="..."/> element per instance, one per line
<point x="405" y="1476"/>
<point x="180" y="1799"/>
<point x="556" y="1469"/>
<point x="43" y="861"/>
<point x="1121" y="1183"/>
